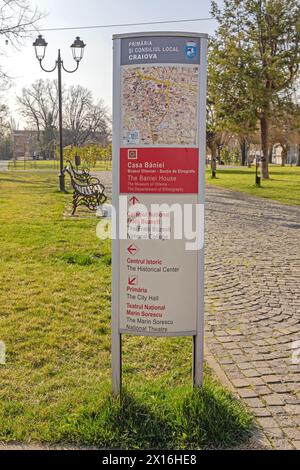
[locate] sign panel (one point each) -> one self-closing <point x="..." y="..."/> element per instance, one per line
<point x="158" y="168"/>
<point x="158" y="280"/>
<point x="162" y="49"/>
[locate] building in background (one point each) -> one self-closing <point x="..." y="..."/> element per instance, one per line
<point x="25" y="144"/>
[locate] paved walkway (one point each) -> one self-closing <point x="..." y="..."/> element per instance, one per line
<point x="253" y="306"/>
<point x="106" y="178"/>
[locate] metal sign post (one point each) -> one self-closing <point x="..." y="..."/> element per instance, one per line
<point x="159" y="148"/>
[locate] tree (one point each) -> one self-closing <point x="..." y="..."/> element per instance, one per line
<point x="217" y="134"/>
<point x="216" y="138"/>
<point x="89" y="154"/>
<point x="285" y="127"/>
<point x="84" y="120"/>
<point x="297" y="132"/>
<point x="4" y="120"/>
<point x="258" y="52"/>
<point x="5" y="140"/>
<point x="38" y="104"/>
<point x="48" y="139"/>
<point x="17" y="18"/>
<point x="233" y="107"/>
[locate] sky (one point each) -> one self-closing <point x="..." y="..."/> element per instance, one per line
<point x="95" y="71"/>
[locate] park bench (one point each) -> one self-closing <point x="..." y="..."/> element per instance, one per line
<point x="82" y="176"/>
<point x="88" y="190"/>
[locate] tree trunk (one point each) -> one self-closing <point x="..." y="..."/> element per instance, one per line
<point x="213" y="162"/>
<point x="243" y="147"/>
<point x="264" y="130"/>
<point x="284" y="154"/>
<point x="271" y="154"/>
<point x="219" y="155"/>
<point x="298" y="159"/>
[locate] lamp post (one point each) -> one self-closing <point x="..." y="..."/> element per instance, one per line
<point x="40" y="50"/>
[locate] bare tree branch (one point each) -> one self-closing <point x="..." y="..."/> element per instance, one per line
<point x="17" y="20"/>
<point x="83" y="120"/>
<point x="38" y="104"/>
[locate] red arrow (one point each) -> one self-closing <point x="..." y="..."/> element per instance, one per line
<point x="132" y="249"/>
<point x="132" y="281"/>
<point x="133" y="200"/>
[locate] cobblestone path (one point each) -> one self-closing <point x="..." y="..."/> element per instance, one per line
<point x="253" y="306"/>
<point x="106" y="178"/>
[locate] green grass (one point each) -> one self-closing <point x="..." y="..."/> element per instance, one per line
<point x="55" y="320"/>
<point x="21" y="165"/>
<point x="283" y="185"/>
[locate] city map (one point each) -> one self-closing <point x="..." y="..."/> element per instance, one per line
<point x="159" y="105"/>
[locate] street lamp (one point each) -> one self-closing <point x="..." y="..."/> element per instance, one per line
<point x="40" y="47"/>
<point x="77" y="50"/>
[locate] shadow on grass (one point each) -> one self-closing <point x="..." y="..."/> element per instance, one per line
<point x="235" y="172"/>
<point x="288" y="172"/>
<point x="204" y="418"/>
<point x="16" y="180"/>
<point x="250" y="171"/>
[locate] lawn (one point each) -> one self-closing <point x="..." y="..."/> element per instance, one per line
<point x="55" y="320"/>
<point x="44" y="165"/>
<point x="283" y="185"/>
